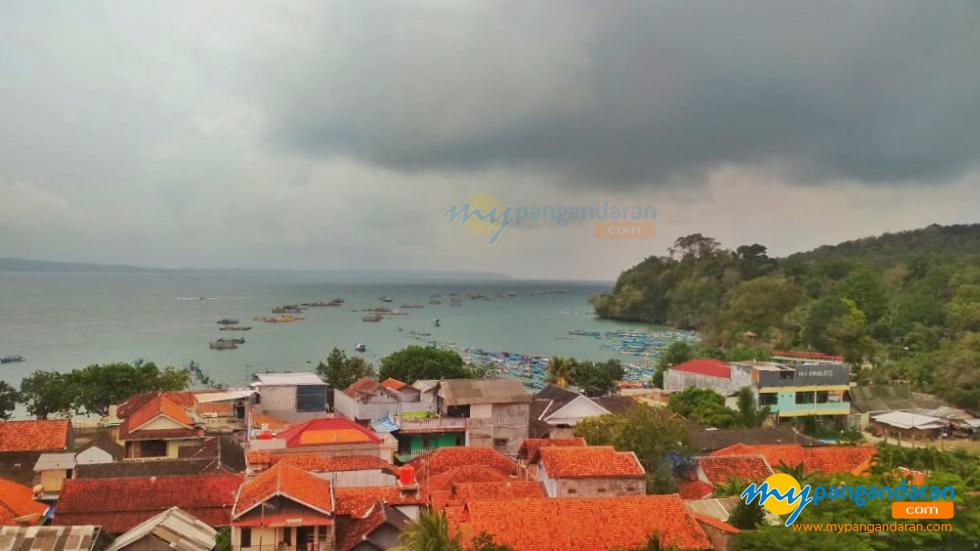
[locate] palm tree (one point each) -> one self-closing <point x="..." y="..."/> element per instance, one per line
<point x="429" y="533"/>
<point x="560" y="370"/>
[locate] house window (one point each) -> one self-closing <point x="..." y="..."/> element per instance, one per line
<point x="768" y="398"/>
<point x="572" y="491"/>
<point x="311" y="398"/>
<point x="246" y="539"/>
<point x="804" y="397"/>
<point x="822" y="396"/>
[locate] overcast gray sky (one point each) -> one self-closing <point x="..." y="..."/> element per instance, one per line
<point x="333" y="135"/>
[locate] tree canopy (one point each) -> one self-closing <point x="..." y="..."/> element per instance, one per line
<point x="423" y="362"/>
<point x="594" y="378"/>
<point x="907" y="303"/>
<point x="340" y="371"/>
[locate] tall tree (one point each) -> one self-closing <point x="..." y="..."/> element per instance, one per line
<point x="429" y="533"/>
<point x="46" y="393"/>
<point x="560" y="370"/>
<point x="423" y="362"/>
<point x="8" y="400"/>
<point x="341" y="371"/>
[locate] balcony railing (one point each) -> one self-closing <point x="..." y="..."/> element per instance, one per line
<point x="431" y="423"/>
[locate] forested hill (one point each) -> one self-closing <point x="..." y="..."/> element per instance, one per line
<point x="907" y="303"/>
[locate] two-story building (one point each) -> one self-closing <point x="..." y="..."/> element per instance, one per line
<point x="292" y="397"/>
<point x="159" y="427"/>
<point x="497" y="411"/>
<point x="368" y="400"/>
<point x="804" y="390"/>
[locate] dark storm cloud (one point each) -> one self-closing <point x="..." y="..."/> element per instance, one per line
<point x="628" y="93"/>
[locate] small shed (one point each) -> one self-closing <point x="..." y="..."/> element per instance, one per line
<point x="51" y="470"/>
<point x="173" y="528"/>
<point x="909" y="425"/>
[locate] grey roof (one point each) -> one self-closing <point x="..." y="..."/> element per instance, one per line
<point x="55" y="461"/>
<point x="216" y="455"/>
<point x="615" y="404"/>
<point x="287" y="379"/>
<point x="105" y="443"/>
<point x="457" y="392"/>
<point x="891" y="397"/>
<point x="52" y="538"/>
<point x="719" y="508"/>
<point x="177" y="528"/>
<point x="906" y="420"/>
<point x="709" y="440"/>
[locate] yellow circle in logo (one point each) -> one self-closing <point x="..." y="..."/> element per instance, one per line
<point x="485" y="203"/>
<point x="782" y="482"/>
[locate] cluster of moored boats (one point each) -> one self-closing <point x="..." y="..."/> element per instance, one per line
<point x="11" y="359"/>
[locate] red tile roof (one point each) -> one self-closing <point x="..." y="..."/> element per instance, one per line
<point x="353" y="532"/>
<point x="542" y="524"/>
<point x="358" y="501"/>
<point x="511" y="489"/>
<point x="393" y="384"/>
<point x="318" y="463"/>
<point x="705" y="366"/>
<point x="531" y="446"/>
<point x="327" y="431"/>
<point x="746" y="468"/>
<point x="118" y="504"/>
<point x="443" y="459"/>
<point x="589" y="462"/>
<point x="694" y="489"/>
<point x="43" y="435"/>
<point x="186" y="399"/>
<point x="364" y="385"/>
<point x="17" y="505"/>
<point x="287" y="481"/>
<point x="827" y="459"/>
<point x="716" y="524"/>
<point x="159" y="405"/>
<point x="446" y="480"/>
<point x="273" y="424"/>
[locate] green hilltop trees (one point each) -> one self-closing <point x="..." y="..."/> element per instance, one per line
<point x="908" y="303"/>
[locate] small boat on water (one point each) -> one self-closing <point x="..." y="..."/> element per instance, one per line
<point x="226" y="344"/>
<point x="228" y="321"/>
<point x="278" y="319"/>
<point x="11" y="359"/>
<point x="412" y="306"/>
<point x="372" y="317"/>
<point x="235" y="328"/>
<point x="435" y="301"/>
<point x="360" y="347"/>
<point x="386" y="299"/>
<point x="436" y="322"/>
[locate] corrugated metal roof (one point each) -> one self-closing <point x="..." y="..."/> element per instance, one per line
<point x="54" y="461"/>
<point x="287" y="379"/>
<point x="234" y="394"/>
<point x="906" y="420"/>
<point x="182" y="530"/>
<point x="384" y="425"/>
<point x="483" y="391"/>
<point x="49" y="538"/>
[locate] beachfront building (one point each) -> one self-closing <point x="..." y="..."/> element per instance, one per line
<point x="555" y="410"/>
<point x="496" y="411"/>
<point x="292" y="397"/>
<point x="588" y="471"/>
<point x="804" y="390"/>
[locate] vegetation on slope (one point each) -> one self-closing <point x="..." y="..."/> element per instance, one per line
<point x="907" y="304"/>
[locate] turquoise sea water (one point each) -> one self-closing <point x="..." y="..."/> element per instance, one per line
<point x="62" y="321"/>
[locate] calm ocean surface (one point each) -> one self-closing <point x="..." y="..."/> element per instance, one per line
<point x="61" y="321"/>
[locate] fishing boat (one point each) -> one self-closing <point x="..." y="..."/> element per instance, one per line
<point x="226" y="344"/>
<point x="235" y="328"/>
<point x="360" y="347"/>
<point x="412" y="306"/>
<point x="372" y="317"/>
<point x="436" y="322"/>
<point x="228" y="321"/>
<point x="386" y="299"/>
<point x="11" y="359"/>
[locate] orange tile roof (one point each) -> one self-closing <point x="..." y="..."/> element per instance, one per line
<point x="42" y="435"/>
<point x="364" y="385"/>
<point x="716" y="524"/>
<point x="118" y="504"/>
<point x="357" y="501"/>
<point x="542" y="524"/>
<point x="825" y="459"/>
<point x="589" y="462"/>
<point x="511" y="489"/>
<point x="747" y="468"/>
<point x="694" y="489"/>
<point x="273" y="424"/>
<point x="393" y="384"/>
<point x="318" y="463"/>
<point x="155" y="407"/>
<point x="327" y="431"/>
<point x="443" y="459"/>
<point x="353" y="532"/>
<point x="184" y="398"/>
<point x="287" y="481"/>
<point x="17" y="505"/>
<point x="531" y="446"/>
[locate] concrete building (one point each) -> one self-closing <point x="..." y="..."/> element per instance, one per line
<point x="292" y="397"/>
<point x="722" y="377"/>
<point x="368" y="400"/>
<point x="805" y="390"/>
<point x="497" y="411"/>
<point x="588" y="471"/>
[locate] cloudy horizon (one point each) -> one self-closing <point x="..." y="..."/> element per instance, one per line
<point x="334" y="135"/>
